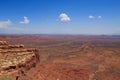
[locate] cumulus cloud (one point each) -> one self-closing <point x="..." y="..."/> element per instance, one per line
<point x="64" y="17"/>
<point x="91" y="17"/>
<point x="25" y="21"/>
<point x="5" y="23"/>
<point x="99" y="17"/>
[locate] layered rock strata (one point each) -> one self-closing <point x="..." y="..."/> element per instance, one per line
<point x="16" y="58"/>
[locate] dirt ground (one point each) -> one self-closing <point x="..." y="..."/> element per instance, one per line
<point x="72" y="57"/>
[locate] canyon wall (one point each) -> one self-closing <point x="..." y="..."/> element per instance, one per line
<point x="16" y="59"/>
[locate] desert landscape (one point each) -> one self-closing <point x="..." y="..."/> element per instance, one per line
<point x="59" y="39"/>
<point x="69" y="57"/>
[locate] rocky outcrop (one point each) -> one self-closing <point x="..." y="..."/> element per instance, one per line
<point x="16" y="59"/>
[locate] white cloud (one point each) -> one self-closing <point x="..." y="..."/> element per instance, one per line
<point x="5" y="23"/>
<point x="99" y="17"/>
<point x="25" y="21"/>
<point x="64" y="17"/>
<point x="91" y="17"/>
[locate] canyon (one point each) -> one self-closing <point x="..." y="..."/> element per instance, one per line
<point x="61" y="57"/>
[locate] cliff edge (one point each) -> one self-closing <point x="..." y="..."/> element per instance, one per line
<point x="15" y="59"/>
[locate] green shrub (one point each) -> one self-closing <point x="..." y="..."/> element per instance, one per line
<point x="5" y="77"/>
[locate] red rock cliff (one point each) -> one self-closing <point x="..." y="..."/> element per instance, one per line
<point x="15" y="59"/>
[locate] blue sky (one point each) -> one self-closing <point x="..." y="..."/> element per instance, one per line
<point x="92" y="17"/>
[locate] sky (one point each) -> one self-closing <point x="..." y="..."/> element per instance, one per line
<point x="88" y="17"/>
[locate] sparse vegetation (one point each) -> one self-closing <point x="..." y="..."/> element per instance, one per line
<point x="5" y="77"/>
<point x="99" y="56"/>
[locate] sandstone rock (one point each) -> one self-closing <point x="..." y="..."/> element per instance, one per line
<point x="15" y="58"/>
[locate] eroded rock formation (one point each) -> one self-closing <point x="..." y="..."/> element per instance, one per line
<point x="15" y="59"/>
